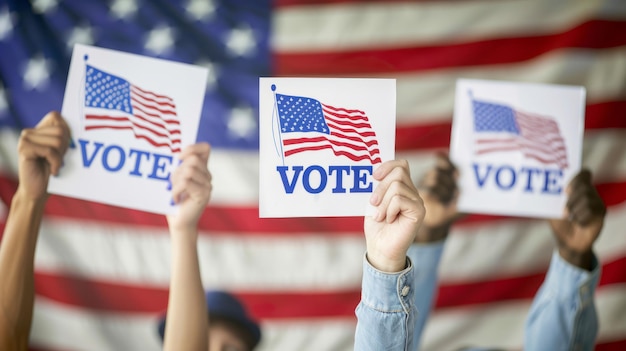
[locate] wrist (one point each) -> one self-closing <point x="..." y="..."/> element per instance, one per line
<point x="428" y="234"/>
<point x="581" y="260"/>
<point x="23" y="198"/>
<point x="386" y="264"/>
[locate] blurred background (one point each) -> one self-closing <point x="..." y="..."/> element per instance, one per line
<point x="102" y="272"/>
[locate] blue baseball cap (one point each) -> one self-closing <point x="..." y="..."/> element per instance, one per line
<point x="224" y="305"/>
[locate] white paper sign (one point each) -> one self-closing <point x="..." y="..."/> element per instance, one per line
<point x="517" y="146"/>
<point x="129" y="116"/>
<point x="320" y="140"/>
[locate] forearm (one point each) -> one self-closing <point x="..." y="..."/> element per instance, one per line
<point x="187" y="318"/>
<point x="386" y="314"/>
<point x="17" y="255"/>
<point x="563" y="314"/>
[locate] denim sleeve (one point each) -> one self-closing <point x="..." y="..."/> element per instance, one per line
<point x="425" y="258"/>
<point x="563" y="314"/>
<point x="386" y="313"/>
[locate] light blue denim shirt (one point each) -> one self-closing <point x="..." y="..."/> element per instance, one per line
<point x="386" y="314"/>
<point x="562" y="316"/>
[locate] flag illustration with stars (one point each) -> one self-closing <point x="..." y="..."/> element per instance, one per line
<point x="111" y="102"/>
<point x="102" y="272"/>
<point x="306" y="124"/>
<point x="502" y="128"/>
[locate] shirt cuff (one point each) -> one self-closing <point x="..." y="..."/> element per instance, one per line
<point x="563" y="276"/>
<point x="387" y="292"/>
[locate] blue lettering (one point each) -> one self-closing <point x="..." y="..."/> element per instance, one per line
<point x="121" y="158"/>
<point x="511" y="177"/>
<point x="160" y="166"/>
<point x="113" y="159"/>
<point x="306" y="179"/>
<point x="505" y="178"/>
<point x="289" y="186"/>
<point x="481" y="180"/>
<point x="139" y="154"/>
<point x="339" y="183"/>
<point x="529" y="172"/>
<point x="550" y="185"/>
<point x="87" y="160"/>
<point x="360" y="177"/>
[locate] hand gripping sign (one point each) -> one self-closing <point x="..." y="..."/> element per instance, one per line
<point x="129" y="116"/>
<point x="516" y="145"/>
<point x="320" y="141"/>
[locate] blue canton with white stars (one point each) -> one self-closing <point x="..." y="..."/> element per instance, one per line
<point x="105" y="90"/>
<point x="230" y="37"/>
<point x="300" y="114"/>
<point x="494" y="118"/>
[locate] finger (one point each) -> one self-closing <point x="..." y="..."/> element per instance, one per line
<point x="191" y="170"/>
<point x="36" y="150"/>
<point x="582" y="178"/>
<point x="441" y="184"/>
<point x="397" y="188"/>
<point x="190" y="183"/>
<point x="399" y="205"/>
<point x="52" y="118"/>
<point x="443" y="162"/>
<point x="398" y="172"/>
<point x="201" y="150"/>
<point x="388" y="166"/>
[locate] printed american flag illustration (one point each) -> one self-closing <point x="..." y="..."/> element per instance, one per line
<point x="502" y="128"/>
<point x="112" y="102"/>
<point x="102" y="273"/>
<point x="306" y="124"/>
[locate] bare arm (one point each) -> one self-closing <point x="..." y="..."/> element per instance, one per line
<point x="187" y="316"/>
<point x="41" y="151"/>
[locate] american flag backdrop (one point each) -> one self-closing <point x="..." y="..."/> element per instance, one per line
<point x="306" y="124"/>
<point x="501" y="128"/>
<point x="102" y="272"/>
<point x="112" y="102"/>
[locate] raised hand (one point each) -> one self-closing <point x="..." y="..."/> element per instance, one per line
<point x="191" y="187"/>
<point x="41" y="150"/>
<point x="400" y="212"/>
<point x="439" y="191"/>
<point x="582" y="223"/>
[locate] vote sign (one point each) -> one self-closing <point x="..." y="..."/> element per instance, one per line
<point x="517" y="145"/>
<point x="320" y="141"/>
<point x="129" y="117"/>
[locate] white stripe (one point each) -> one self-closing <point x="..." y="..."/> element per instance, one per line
<point x="315" y="28"/>
<point x="58" y="326"/>
<point x="142" y="255"/>
<point x="430" y="94"/>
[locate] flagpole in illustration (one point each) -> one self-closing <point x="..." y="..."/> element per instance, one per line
<point x="276" y="119"/>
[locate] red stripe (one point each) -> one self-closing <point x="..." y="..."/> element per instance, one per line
<point x="617" y="345"/>
<point x="135" y="125"/>
<point x="349" y="155"/>
<point x="117" y="297"/>
<point x="245" y="220"/>
<point x="595" y="34"/>
<point x="143" y="93"/>
<point x="138" y="136"/>
<point x="437" y="135"/>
